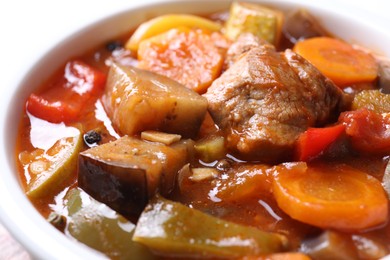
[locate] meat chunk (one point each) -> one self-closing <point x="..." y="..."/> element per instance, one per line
<point x="125" y="173"/>
<point x="266" y="99"/>
<point x="244" y="43"/>
<point x="138" y="100"/>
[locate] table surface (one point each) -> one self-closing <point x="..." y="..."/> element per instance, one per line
<point x="9" y="248"/>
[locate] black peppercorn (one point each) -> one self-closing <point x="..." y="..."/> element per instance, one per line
<point x="112" y="46"/>
<point x="92" y="138"/>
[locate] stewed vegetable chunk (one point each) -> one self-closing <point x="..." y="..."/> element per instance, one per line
<point x="138" y="100"/>
<point x="257" y="19"/>
<point x="125" y="173"/>
<point x="92" y="223"/>
<point x="171" y="228"/>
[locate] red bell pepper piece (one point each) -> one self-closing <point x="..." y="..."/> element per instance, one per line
<point x="314" y="141"/>
<point x="62" y="103"/>
<point x="55" y="112"/>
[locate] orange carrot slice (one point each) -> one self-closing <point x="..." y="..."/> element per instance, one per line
<point x="338" y="60"/>
<point x="191" y="57"/>
<point x="335" y="197"/>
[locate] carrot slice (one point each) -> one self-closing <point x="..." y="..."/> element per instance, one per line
<point x="335" y="197"/>
<point x="338" y="60"/>
<point x="191" y="57"/>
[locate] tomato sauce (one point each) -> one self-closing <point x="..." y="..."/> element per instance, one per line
<point x="233" y="196"/>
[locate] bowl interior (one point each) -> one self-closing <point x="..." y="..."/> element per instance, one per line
<point x="17" y="213"/>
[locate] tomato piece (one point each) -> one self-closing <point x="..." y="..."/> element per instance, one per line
<point x="334" y="197"/>
<point x="369" y="131"/>
<point x="314" y="141"/>
<point x="65" y="99"/>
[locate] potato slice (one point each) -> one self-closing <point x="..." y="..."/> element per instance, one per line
<point x="256" y="19"/>
<point x="50" y="169"/>
<point x="164" y="23"/>
<point x="137" y="100"/>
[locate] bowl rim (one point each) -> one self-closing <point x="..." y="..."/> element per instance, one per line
<point x="27" y="228"/>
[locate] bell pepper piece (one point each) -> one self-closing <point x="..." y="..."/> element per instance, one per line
<point x="314" y="141"/>
<point x="93" y="223"/>
<point x="171" y="228"/>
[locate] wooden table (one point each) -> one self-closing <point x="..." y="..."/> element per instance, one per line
<point x="9" y="248"/>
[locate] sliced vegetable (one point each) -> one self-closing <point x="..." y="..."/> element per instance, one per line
<point x="50" y="169"/>
<point x="314" y="141"/>
<point x="330" y="245"/>
<point x="373" y="100"/>
<point x="170" y="228"/>
<point x="211" y="148"/>
<point x="243" y="182"/>
<point x="52" y="111"/>
<point x="93" y="224"/>
<point x="125" y="173"/>
<point x="164" y="23"/>
<point x="155" y="136"/>
<point x="369" y="131"/>
<point x="335" y="197"/>
<point x="62" y="103"/>
<point x="149" y="101"/>
<point x="191" y="57"/>
<point x="256" y="19"/>
<point x="338" y="60"/>
<point x="201" y="174"/>
<point x="300" y="25"/>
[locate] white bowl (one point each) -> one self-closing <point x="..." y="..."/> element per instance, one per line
<point x="16" y="212"/>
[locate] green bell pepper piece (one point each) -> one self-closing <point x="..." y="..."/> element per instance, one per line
<point x="99" y="227"/>
<point x="173" y="229"/>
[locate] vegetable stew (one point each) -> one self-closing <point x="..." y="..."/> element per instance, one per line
<point x="248" y="134"/>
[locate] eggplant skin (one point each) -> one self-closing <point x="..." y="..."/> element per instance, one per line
<point x="125" y="173"/>
<point x="137" y="100"/>
<point x="125" y="191"/>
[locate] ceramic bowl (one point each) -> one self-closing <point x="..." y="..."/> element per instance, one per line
<point x="16" y="212"/>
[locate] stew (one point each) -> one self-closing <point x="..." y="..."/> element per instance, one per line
<point x="250" y="133"/>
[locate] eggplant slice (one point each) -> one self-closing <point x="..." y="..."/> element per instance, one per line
<point x="125" y="173"/>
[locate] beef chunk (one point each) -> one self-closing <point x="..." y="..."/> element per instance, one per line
<point x="266" y="99"/>
<point x="125" y="173"/>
